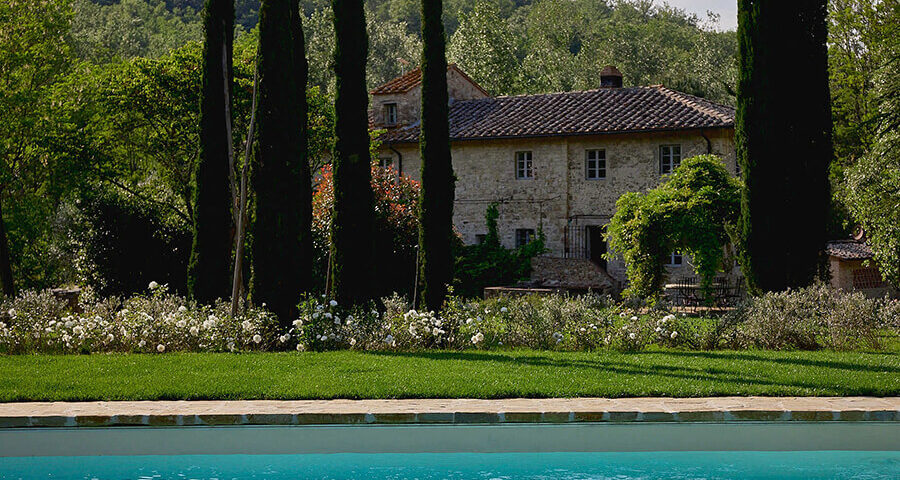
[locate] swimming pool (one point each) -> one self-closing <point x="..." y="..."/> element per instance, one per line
<point x="760" y="450"/>
<point x="427" y="466"/>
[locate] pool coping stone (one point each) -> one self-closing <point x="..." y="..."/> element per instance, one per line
<point x="449" y="411"/>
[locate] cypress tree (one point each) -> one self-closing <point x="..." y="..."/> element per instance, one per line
<point x="209" y="267"/>
<point x="280" y="182"/>
<point x="351" y="228"/>
<point x="304" y="209"/>
<point x="783" y="141"/>
<point x="438" y="182"/>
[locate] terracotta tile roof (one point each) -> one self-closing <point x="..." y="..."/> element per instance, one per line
<point x="849" y="250"/>
<point x="401" y="84"/>
<point x="413" y="78"/>
<point x="605" y="110"/>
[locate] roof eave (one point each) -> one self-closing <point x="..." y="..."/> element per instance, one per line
<point x="573" y="134"/>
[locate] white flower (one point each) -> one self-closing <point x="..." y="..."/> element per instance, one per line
<point x="141" y="344"/>
<point x="110" y="337"/>
<point x="352" y="342"/>
<point x="195" y="331"/>
<point x="477" y="338"/>
<point x="257" y="338"/>
<point x="78" y="330"/>
<point x="298" y="323"/>
<point x="674" y="335"/>
<point x="247" y="325"/>
<point x="658" y="329"/>
<point x="160" y="348"/>
<point x="183" y="309"/>
<point x="231" y="346"/>
<point x="437" y="332"/>
<point x="504" y="310"/>
<point x="412" y="329"/>
<point x="12" y="312"/>
<point x="669" y="318"/>
<point x="469" y="321"/>
<point x="300" y="347"/>
<point x="389" y="339"/>
<point x="337" y="320"/>
<point x="153" y="286"/>
<point x="634" y="319"/>
<point x="631" y="336"/>
<point x="180" y="324"/>
<point x="333" y="303"/>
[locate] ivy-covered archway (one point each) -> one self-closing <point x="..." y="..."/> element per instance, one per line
<point x="693" y="211"/>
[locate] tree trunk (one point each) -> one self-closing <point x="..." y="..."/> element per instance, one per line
<point x="6" y="276"/>
<point x="438" y="183"/>
<point x="238" y="279"/>
<point x="351" y="230"/>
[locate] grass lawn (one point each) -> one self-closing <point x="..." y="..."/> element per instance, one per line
<point x="472" y="374"/>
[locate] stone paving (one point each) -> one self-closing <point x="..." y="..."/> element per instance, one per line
<point x="463" y="411"/>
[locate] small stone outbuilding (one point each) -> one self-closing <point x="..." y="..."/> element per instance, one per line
<point x="852" y="268"/>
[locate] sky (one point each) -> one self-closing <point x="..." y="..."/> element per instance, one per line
<point x="726" y="8"/>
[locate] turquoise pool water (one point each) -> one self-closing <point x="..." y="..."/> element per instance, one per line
<point x="477" y="466"/>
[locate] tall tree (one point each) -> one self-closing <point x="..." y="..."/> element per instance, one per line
<point x="438" y="182"/>
<point x="783" y="139"/>
<point x="281" y="257"/>
<point x="303" y="174"/>
<point x="351" y="248"/>
<point x="33" y="57"/>
<point x="484" y="46"/>
<point x="209" y="267"/>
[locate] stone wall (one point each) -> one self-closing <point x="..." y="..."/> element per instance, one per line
<point x="559" y="199"/>
<point x="571" y="273"/>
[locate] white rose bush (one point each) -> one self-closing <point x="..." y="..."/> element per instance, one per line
<point x="159" y="322"/>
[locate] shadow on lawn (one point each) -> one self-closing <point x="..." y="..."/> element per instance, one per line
<point x="683" y="372"/>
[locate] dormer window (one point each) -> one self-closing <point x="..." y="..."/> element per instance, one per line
<point x="390" y="113"/>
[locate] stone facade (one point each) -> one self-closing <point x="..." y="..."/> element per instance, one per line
<point x="559" y="200"/>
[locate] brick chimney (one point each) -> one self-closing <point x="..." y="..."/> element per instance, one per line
<point x="610" y="77"/>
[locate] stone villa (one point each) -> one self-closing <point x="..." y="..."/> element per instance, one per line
<point x="556" y="162"/>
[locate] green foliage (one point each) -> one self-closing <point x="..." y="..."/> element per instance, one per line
<point x="693" y="212"/>
<point x="351" y="228"/>
<point x="209" y="268"/>
<point x="873" y="195"/>
<point x="813" y="318"/>
<point x="438" y="180"/>
<point x="34" y="54"/>
<point x="484" y="46"/>
<point x="128" y="244"/>
<point x="488" y="264"/>
<point x="131" y="28"/>
<point x="783" y="141"/>
<point x="871" y="188"/>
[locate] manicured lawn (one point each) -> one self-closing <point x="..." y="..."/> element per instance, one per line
<point x="476" y="374"/>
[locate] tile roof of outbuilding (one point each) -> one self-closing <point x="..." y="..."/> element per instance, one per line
<point x="849" y="250"/>
<point x="605" y="110"/>
<point x="413" y="78"/>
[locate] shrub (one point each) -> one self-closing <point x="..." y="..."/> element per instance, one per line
<point x="489" y="264"/>
<point x="396" y="228"/>
<point x="812" y="318"/>
<point x="156" y="322"/>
